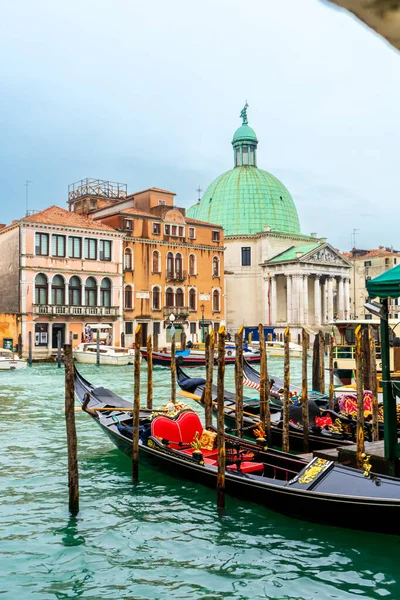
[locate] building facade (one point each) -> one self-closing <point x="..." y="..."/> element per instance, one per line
<point x="61" y="272"/>
<point x="366" y="265"/>
<point x="173" y="266"/>
<point x="274" y="274"/>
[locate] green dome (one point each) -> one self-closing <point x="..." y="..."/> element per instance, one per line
<point x="244" y="133"/>
<point x="245" y="200"/>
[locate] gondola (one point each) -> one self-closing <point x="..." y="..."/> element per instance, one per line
<point x="187" y="358"/>
<point x="320" y="437"/>
<point x="320" y="491"/>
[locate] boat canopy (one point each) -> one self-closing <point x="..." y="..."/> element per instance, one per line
<point x="386" y="285"/>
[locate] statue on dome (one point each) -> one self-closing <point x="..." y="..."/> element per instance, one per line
<point x="243" y="114"/>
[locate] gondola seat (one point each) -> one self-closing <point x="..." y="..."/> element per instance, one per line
<point x="247" y="467"/>
<point x="180" y="431"/>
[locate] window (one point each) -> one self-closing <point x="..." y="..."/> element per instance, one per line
<point x="170" y="265"/>
<point x="192" y="264"/>
<point x="129" y="224"/>
<point x="75" y="291"/>
<point x="181" y="231"/>
<point x="128" y="327"/>
<point x="156" y="328"/>
<point x="368" y="316"/>
<point x="41" y="289"/>
<point x="105" y="292"/>
<point x="169" y="298"/>
<point x="179" y="297"/>
<point x="156" y="262"/>
<point x="58" y="290"/>
<point x="173" y="230"/>
<point x="167" y="229"/>
<point x="162" y="202"/>
<point x="178" y="266"/>
<point x="215" y="271"/>
<point x="75" y="247"/>
<point x="41" y="334"/>
<point x="58" y="245"/>
<point x="42" y="244"/>
<point x="90" y="247"/>
<point x="367" y="263"/>
<point x="237" y="157"/>
<point x="386" y="261"/>
<point x="105" y="250"/>
<point x="156" y="228"/>
<point x="193" y="328"/>
<point x="252" y="156"/>
<point x="215" y="300"/>
<point x="128" y="259"/>
<point x="395" y="261"/>
<point x="128" y="296"/>
<point x="192" y="233"/>
<point x="91" y="292"/>
<point x="246" y="257"/>
<point x="215" y="236"/>
<point x="192" y="299"/>
<point x="156" y="298"/>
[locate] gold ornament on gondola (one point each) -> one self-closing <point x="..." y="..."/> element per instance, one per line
<point x="366" y="464"/>
<point x="313" y="470"/>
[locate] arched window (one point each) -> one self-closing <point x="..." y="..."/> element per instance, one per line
<point x="91" y="292"/>
<point x="41" y="289"/>
<point x="215" y="300"/>
<point x="105" y="292"/>
<point x="156" y="298"/>
<point x="169" y="297"/>
<point x="75" y="291"/>
<point x="156" y="262"/>
<point x="179" y="298"/>
<point x="58" y="290"/>
<point x="192" y="264"/>
<point x="128" y="296"/>
<point x="192" y="299"/>
<point x="178" y="265"/>
<point x="128" y="263"/>
<point x="170" y="265"/>
<point x="215" y="266"/>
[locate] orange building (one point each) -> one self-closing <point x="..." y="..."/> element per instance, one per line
<point x="173" y="266"/>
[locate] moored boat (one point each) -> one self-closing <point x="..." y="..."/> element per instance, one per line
<point x="109" y="355"/>
<point x="319" y="491"/>
<point x="189" y="358"/>
<point x="10" y="361"/>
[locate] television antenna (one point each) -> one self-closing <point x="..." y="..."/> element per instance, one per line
<point x="26" y="184"/>
<point x="353" y="236"/>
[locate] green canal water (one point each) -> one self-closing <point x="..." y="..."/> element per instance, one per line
<point x="162" y="538"/>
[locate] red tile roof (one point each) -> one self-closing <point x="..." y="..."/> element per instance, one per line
<point x="196" y="222"/>
<point x="54" y="215"/>
<point x="153" y="189"/>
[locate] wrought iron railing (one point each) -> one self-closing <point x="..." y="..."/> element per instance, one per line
<point x="69" y="310"/>
<point x="178" y="311"/>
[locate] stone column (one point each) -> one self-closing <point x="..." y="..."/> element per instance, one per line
<point x="346" y="298"/>
<point x="273" y="300"/>
<point x="300" y="296"/>
<point x="295" y="299"/>
<point x="330" y="299"/>
<point x="289" y="299"/>
<point x="340" y="298"/>
<point x="323" y="302"/>
<point x="305" y="297"/>
<point x="317" y="300"/>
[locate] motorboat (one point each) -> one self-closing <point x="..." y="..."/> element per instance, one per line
<point x="196" y="358"/>
<point x="10" y="361"/>
<point x="86" y="353"/>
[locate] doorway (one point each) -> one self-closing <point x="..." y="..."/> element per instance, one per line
<point x="144" y="334"/>
<point x="55" y="329"/>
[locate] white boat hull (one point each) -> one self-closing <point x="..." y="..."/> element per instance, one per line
<point x="11" y="365"/>
<point x="90" y="358"/>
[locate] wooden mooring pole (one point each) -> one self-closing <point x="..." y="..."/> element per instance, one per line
<point x="136" y="407"/>
<point x="155" y="342"/>
<point x="321" y="341"/>
<point x="331" y="379"/>
<point x="59" y="349"/>
<point x="149" y="373"/>
<point x="72" y="444"/>
<point x="208" y="405"/>
<point x="239" y="381"/>
<point x="173" y="370"/>
<point x="373" y="384"/>
<point x="98" y="347"/>
<point x="20" y="345"/>
<point x="183" y="340"/>
<point x="304" y="391"/>
<point x="30" y="348"/>
<point x="315" y="364"/>
<point x="286" y="391"/>
<point x="265" y="410"/>
<point x="220" y="420"/>
<point x="360" y="398"/>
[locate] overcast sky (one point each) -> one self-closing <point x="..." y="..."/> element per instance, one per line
<point x="149" y="94"/>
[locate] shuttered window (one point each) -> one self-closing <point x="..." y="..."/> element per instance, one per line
<point x="90" y="249"/>
<point x="74" y="247"/>
<point x="58" y="245"/>
<point x="42" y="244"/>
<point x="105" y="250"/>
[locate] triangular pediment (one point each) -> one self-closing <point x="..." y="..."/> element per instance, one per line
<point x="325" y="254"/>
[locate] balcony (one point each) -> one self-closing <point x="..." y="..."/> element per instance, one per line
<point x="178" y="276"/>
<point x="179" y="312"/>
<point x="56" y="310"/>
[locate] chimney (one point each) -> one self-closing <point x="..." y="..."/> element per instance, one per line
<point x="2" y="225"/>
<point x="313" y="235"/>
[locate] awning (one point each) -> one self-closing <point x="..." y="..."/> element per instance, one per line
<point x="386" y="285"/>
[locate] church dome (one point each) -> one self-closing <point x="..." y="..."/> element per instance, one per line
<point x="246" y="199"/>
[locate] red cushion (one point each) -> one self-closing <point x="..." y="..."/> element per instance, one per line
<point x="247" y="467"/>
<point x="189" y="422"/>
<point x="166" y="428"/>
<point x="209" y="453"/>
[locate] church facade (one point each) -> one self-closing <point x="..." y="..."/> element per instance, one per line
<point x="274" y="274"/>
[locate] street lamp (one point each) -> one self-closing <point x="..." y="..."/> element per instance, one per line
<point x="202" y="307"/>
